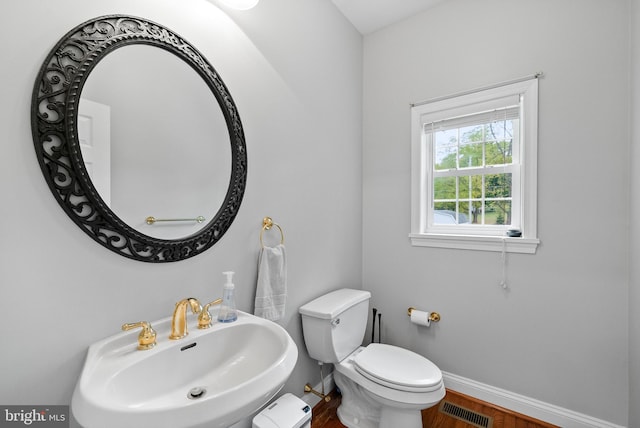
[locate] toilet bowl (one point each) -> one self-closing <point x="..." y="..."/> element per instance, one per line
<point x="391" y="394"/>
<point x="383" y="386"/>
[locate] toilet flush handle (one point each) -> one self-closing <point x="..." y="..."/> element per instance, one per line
<point x="335" y="322"/>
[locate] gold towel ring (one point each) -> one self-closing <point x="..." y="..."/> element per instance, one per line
<point x="267" y="223"/>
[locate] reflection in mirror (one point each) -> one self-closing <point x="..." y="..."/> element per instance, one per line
<point x="94" y="136"/>
<point x="170" y="156"/>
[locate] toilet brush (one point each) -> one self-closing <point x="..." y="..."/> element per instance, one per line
<point x="373" y="326"/>
<point x="379" y="327"/>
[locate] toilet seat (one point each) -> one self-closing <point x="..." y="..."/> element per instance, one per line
<point x="397" y="368"/>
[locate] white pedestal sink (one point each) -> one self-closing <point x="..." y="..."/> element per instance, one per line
<point x="211" y="378"/>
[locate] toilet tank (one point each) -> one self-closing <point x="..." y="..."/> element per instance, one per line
<point x="334" y="324"/>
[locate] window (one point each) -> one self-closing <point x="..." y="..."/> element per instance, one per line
<point x="474" y="166"/>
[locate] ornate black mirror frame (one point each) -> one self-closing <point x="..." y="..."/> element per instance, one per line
<point x="54" y="115"/>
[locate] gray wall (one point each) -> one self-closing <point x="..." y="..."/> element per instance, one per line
<point x="559" y="333"/>
<point x="60" y="291"/>
<point x="634" y="281"/>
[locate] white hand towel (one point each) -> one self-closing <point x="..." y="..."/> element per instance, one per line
<point x="271" y="291"/>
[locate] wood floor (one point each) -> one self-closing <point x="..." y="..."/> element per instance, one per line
<point x="324" y="414"/>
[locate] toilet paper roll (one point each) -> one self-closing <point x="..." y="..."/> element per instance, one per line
<point x="420" y="317"/>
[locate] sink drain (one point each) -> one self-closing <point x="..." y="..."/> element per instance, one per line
<point x="195" y="393"/>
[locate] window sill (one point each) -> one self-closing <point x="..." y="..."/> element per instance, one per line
<point x="481" y="243"/>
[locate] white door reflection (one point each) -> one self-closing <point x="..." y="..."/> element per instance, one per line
<point x="94" y="135"/>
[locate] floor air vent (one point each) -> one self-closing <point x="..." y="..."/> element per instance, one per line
<point x="466" y="415"/>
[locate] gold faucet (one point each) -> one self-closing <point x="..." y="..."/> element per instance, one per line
<point x="204" y="319"/>
<point x="146" y="338"/>
<point x="179" y="321"/>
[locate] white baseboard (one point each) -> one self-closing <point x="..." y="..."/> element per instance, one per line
<point x="524" y="405"/>
<point x="550" y="413"/>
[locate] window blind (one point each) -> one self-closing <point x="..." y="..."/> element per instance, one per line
<point x="505" y="108"/>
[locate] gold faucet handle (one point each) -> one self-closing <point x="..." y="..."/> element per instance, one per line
<point x="146" y="338"/>
<point x="204" y="319"/>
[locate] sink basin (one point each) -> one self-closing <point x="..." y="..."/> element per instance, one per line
<point x="211" y="378"/>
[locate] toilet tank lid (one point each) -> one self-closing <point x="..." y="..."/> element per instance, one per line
<point x="334" y="303"/>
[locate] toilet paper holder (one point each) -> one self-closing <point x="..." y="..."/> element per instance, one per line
<point x="433" y="316"/>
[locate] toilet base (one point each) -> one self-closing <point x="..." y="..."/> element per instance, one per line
<point x="385" y="418"/>
<point x="362" y="409"/>
<point x="394" y="418"/>
<point x="356" y="409"/>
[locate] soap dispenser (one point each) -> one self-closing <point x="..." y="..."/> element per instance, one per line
<point x="228" y="312"/>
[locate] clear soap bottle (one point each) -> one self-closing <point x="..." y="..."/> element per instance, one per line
<point x="228" y="311"/>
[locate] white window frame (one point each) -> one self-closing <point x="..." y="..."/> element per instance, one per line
<point x="477" y="237"/>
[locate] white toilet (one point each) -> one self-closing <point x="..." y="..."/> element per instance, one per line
<point x="382" y="385"/>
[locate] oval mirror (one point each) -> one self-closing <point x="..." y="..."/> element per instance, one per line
<point x="172" y="176"/>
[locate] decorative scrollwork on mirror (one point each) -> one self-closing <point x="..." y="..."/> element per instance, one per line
<point x="54" y="117"/>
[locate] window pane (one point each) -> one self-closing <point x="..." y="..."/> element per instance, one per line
<point x="476" y="211"/>
<point x="469" y="134"/>
<point x="470" y="187"/>
<point x="445" y="149"/>
<point x="444" y="206"/>
<point x="498" y="185"/>
<point x="499" y="130"/>
<point x="476" y="186"/>
<point x="444" y="188"/>
<point x="499" y="153"/>
<point x="470" y="155"/>
<point x="497" y="212"/>
<point x="444" y="213"/>
<point x="464" y="187"/>
<point x="464" y="214"/>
